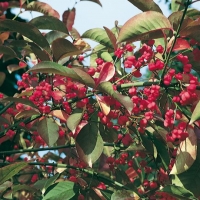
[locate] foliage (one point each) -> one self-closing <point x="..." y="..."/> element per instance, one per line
<point x="109" y="130"/>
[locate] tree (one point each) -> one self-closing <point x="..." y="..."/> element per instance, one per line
<point x="108" y="130"/>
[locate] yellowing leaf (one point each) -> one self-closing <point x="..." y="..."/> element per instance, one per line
<point x="144" y="26"/>
<point x="105" y="108"/>
<point x="43" y="8"/>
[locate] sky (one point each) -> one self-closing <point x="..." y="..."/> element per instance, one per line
<point x="91" y="15"/>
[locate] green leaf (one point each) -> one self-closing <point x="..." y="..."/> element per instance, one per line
<point x="161" y="147"/>
<point x="186" y="154"/>
<point x="7" y="52"/>
<point x="98" y="35"/>
<point x="89" y="143"/>
<point x="9" y="171"/>
<point x="63" y="48"/>
<point x="108" y="134"/>
<point x="195" y="114"/>
<point x="190" y="178"/>
<point x="193" y="13"/>
<point x="179" y="192"/>
<point x="42" y="7"/>
<point x="124" y="195"/>
<point x="118" y="67"/>
<point x="25" y="29"/>
<point x="107" y="194"/>
<point x="5" y="186"/>
<point x="19" y="100"/>
<point x="146" y="5"/>
<point x="53" y="35"/>
<point x="94" y="1"/>
<point x="144" y="26"/>
<point x="62" y="190"/>
<point x="74" y="73"/>
<point x="29" y="47"/>
<point x="107" y="87"/>
<point x="74" y="120"/>
<point x="45" y="183"/>
<point x="50" y="23"/>
<point x="177" y="5"/>
<point x="48" y="130"/>
<point x="106" y="56"/>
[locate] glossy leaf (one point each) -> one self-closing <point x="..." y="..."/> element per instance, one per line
<point x="94" y="1"/>
<point x="106" y="73"/>
<point x="178" y="192"/>
<point x="146" y="5"/>
<point x="42" y="7"/>
<point x="177" y="5"/>
<point x="68" y="18"/>
<point x="62" y="190"/>
<point x="76" y="74"/>
<point x="63" y="48"/>
<point x="9" y="171"/>
<point x="53" y="35"/>
<point x="25" y="29"/>
<point x="50" y="23"/>
<point x="45" y="183"/>
<point x="186" y="154"/>
<point x="144" y="26"/>
<point x="48" y="130"/>
<point x="98" y="35"/>
<point x="89" y="144"/>
<point x="107" y="87"/>
<point x="195" y="114"/>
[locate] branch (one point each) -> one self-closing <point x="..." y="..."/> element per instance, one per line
<point x="175" y="38"/>
<point x="54" y="148"/>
